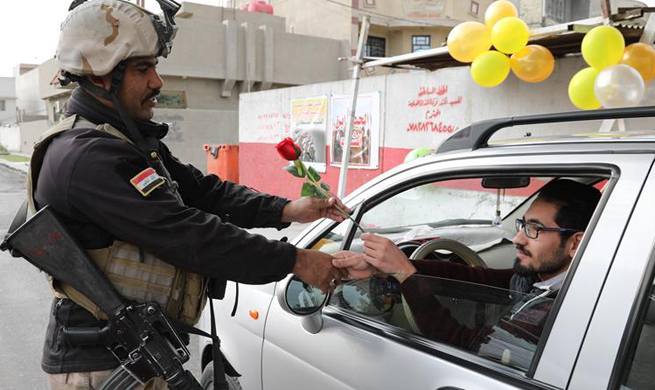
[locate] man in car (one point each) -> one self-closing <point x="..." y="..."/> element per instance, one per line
<point x="547" y="238"/>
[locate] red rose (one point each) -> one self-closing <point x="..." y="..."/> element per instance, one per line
<point x="288" y="150"/>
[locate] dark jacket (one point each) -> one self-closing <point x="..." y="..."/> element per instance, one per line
<point x="523" y="317"/>
<point x="86" y="176"/>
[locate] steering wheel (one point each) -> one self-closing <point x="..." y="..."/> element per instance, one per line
<point x="458" y="249"/>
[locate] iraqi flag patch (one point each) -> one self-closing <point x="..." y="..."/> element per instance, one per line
<point x="146" y="181"/>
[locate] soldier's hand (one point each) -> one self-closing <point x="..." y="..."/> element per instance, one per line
<point x="315" y="268"/>
<point x="310" y="208"/>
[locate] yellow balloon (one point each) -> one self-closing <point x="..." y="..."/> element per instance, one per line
<point x="468" y="40"/>
<point x="603" y="46"/>
<point x="498" y="10"/>
<point x="533" y="63"/>
<point x="581" y="89"/>
<point x="640" y="56"/>
<point x="510" y="35"/>
<point x="489" y="69"/>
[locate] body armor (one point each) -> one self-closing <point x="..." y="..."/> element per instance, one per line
<point x="136" y="274"/>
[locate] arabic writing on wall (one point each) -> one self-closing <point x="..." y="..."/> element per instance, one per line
<point x="432" y="102"/>
<point x="273" y="126"/>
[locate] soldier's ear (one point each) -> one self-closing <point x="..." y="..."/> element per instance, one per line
<point x="103" y="82"/>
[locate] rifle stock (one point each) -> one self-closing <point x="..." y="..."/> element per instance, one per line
<point x="46" y="243"/>
<point x="139" y="335"/>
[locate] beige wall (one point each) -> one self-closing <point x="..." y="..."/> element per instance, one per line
<point x="30" y="133"/>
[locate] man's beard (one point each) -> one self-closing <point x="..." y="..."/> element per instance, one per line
<point x="558" y="260"/>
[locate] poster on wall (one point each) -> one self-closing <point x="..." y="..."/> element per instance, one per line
<point x="365" y="140"/>
<point x="308" y="129"/>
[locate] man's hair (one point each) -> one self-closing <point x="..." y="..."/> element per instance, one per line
<point x="575" y="201"/>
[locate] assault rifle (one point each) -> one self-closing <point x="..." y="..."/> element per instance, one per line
<point x="138" y="335"/>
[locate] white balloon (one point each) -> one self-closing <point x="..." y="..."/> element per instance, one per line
<point x="619" y="86"/>
<point x="649" y="95"/>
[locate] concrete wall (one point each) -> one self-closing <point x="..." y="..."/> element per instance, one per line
<point x="28" y="98"/>
<point x="236" y="46"/>
<point x="8" y="98"/>
<point x="190" y="129"/>
<point x="30" y="133"/>
<point x="414" y="113"/>
<point x="10" y="137"/>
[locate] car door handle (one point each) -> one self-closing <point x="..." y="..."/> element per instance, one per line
<point x="450" y="388"/>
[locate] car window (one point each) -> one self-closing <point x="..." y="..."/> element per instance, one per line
<point x="495" y="323"/>
<point x="639" y="374"/>
<point x="465" y="294"/>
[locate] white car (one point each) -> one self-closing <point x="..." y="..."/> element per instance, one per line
<point x="461" y="205"/>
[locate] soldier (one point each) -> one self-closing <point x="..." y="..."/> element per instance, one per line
<point x="158" y="228"/>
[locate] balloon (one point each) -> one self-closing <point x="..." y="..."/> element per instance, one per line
<point x="619" y="86"/>
<point x="649" y="95"/>
<point x="468" y="40"/>
<point x="603" y="46"/>
<point x="417" y="153"/>
<point x="640" y="56"/>
<point x="490" y="68"/>
<point x="510" y="35"/>
<point x="533" y="63"/>
<point x="498" y="10"/>
<point x="581" y="89"/>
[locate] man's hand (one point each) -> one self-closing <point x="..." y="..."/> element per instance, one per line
<point x="354" y="264"/>
<point x="310" y="208"/>
<point x="315" y="268"/>
<point x="384" y="255"/>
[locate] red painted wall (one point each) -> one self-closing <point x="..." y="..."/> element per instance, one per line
<point x="260" y="167"/>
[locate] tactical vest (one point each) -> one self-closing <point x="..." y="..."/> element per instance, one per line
<point x="136" y="274"/>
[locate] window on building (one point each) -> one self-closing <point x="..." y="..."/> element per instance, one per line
<point x="475" y="8"/>
<point x="2" y="105"/>
<point x="563" y="11"/>
<point x="369" y="3"/>
<point x="555" y="10"/>
<point x="375" y="47"/>
<point x="420" y="42"/>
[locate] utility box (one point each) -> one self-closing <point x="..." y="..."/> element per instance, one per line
<point x="223" y="161"/>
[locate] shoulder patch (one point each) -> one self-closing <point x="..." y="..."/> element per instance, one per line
<point x="146" y="181"/>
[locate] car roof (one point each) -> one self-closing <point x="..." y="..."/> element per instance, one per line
<point x="646" y="136"/>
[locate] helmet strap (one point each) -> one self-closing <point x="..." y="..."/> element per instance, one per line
<point x="147" y="145"/>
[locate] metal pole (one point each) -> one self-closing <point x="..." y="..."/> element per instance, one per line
<point x="357" y="67"/>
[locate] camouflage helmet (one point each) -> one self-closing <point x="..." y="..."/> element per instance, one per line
<point x="98" y="34"/>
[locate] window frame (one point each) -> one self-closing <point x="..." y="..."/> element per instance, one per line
<point x="369" y="46"/>
<point x="477" y="8"/>
<point x="447" y="352"/>
<point x="414" y="44"/>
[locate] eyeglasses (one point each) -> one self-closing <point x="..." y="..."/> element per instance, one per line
<point x="532" y="229"/>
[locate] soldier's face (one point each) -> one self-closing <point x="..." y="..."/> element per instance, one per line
<point x="141" y="84"/>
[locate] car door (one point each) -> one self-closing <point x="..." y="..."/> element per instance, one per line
<point x="619" y="345"/>
<point x="351" y="350"/>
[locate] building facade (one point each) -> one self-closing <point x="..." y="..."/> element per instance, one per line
<point x="7" y="101"/>
<point x="397" y="26"/>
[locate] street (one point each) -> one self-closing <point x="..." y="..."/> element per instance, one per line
<point x="25" y="300"/>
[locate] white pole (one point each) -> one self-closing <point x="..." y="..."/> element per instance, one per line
<point x="357" y="67"/>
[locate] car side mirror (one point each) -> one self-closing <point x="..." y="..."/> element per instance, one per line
<point x="303" y="300"/>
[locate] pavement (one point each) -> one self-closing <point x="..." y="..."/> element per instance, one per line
<point x="16" y="166"/>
